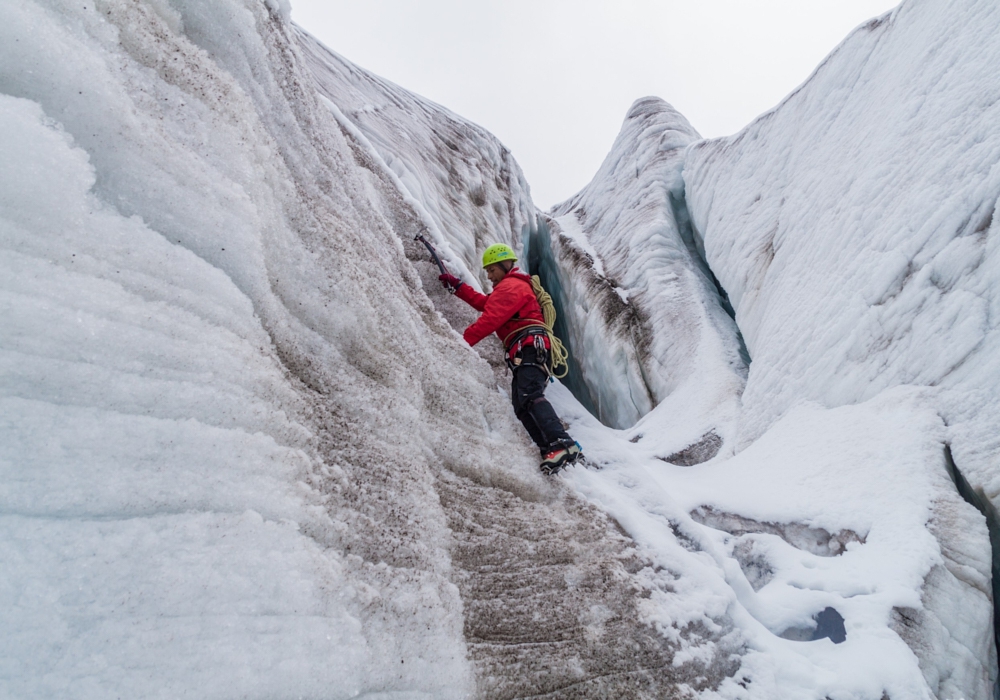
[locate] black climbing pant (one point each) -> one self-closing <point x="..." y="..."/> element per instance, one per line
<point x="527" y="393"/>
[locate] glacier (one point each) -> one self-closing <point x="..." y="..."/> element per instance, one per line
<point x="245" y="451"/>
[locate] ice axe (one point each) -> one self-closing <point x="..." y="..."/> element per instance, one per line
<point x="430" y="249"/>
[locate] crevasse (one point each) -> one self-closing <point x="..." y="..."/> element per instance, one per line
<point x="696" y="246"/>
<point x="977" y="499"/>
<point x="639" y="306"/>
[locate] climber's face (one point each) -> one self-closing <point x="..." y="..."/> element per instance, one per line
<point x="496" y="272"/>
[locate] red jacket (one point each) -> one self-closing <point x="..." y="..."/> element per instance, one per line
<point x="511" y="306"/>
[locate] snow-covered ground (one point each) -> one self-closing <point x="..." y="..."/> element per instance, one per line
<point x="847" y="508"/>
<point x="244" y="452"/>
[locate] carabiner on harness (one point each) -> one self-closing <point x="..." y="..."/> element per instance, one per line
<point x="540" y="345"/>
<point x="515" y="360"/>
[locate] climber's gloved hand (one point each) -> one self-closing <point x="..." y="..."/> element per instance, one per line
<point x="450" y="282"/>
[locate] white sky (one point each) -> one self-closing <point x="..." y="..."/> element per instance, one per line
<point x="553" y="79"/>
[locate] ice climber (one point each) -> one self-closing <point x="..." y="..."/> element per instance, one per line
<point x="512" y="311"/>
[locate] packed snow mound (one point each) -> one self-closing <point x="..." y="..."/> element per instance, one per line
<point x="642" y="316"/>
<point x="219" y="437"/>
<point x="467" y="186"/>
<point x="853" y="228"/>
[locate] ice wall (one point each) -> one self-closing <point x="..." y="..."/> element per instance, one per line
<point x="866" y="200"/>
<point x="853" y="227"/>
<point x="642" y="315"/>
<point x="218" y="437"/>
<point x="467" y="187"/>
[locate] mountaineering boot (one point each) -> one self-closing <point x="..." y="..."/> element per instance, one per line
<point x="559" y="455"/>
<point x="554" y="460"/>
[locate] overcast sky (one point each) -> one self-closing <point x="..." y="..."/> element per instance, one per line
<point x="553" y="79"/>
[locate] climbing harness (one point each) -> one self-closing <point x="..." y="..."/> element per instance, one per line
<point x="514" y="343"/>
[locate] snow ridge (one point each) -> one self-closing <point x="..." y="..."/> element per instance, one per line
<point x="643" y="319"/>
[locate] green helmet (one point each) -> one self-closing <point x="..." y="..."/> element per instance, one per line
<point x="498" y="252"/>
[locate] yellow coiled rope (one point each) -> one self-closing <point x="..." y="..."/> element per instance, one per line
<point x="558" y="351"/>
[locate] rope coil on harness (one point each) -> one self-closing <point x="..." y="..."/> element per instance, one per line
<point x="557" y="350"/>
<point x="560" y="355"/>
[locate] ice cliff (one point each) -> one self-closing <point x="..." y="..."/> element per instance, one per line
<point x="463" y="181"/>
<point x="853" y="228"/>
<point x="244" y="452"/>
<point x="219" y="434"/>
